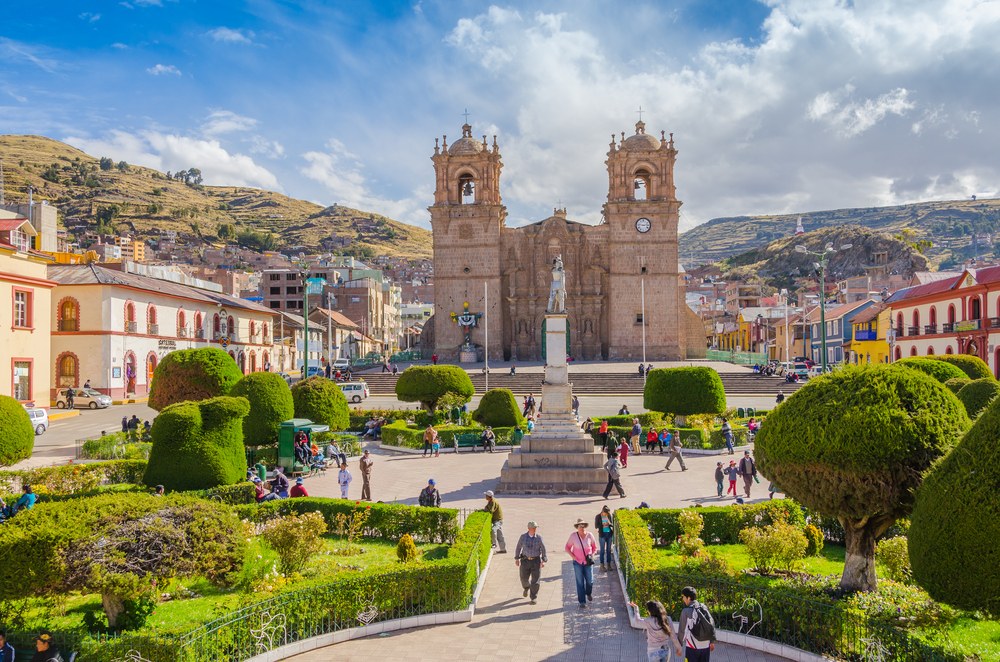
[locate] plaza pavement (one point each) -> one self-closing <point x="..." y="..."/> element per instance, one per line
<point x="506" y="626"/>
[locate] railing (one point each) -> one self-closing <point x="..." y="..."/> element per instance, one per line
<point x="182" y="333"/>
<point x="866" y="335"/>
<point x="69" y="325"/>
<point x="930" y="329"/>
<point x="948" y="327"/>
<point x="199" y="334"/>
<point x="968" y="325"/>
<point x="739" y="358"/>
<point x="913" y="330"/>
<point x="153" y="329"/>
<point x="130" y="327"/>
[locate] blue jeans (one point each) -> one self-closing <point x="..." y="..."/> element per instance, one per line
<point x="584" y="581"/>
<point x="660" y="655"/>
<point x="605" y="539"/>
<point x="729" y="443"/>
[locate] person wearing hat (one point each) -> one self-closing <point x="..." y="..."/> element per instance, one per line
<point x="496" y="531"/>
<point x="747" y="469"/>
<point x="344" y="479"/>
<point x="429" y="496"/>
<point x="298" y="489"/>
<point x="366" y="475"/>
<point x="733" y="472"/>
<point x="720" y="475"/>
<point x="258" y="486"/>
<point x="604" y="525"/>
<point x="581" y="547"/>
<point x="45" y="649"/>
<point x="530" y="558"/>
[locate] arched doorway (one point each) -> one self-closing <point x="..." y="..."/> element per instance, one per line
<point x="67" y="371"/>
<point x="975" y="308"/>
<point x="253" y="362"/>
<point x="130" y="372"/>
<point x="899" y="354"/>
<point x="243" y="363"/>
<point x="267" y="358"/>
<point x="913" y="351"/>
<point x="948" y="350"/>
<point x="151" y="362"/>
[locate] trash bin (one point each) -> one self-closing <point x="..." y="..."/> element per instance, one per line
<point x="516" y="436"/>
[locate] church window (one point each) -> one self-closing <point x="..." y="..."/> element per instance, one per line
<point x="638" y="318"/>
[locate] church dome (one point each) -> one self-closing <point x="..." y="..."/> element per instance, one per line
<point x="641" y="141"/>
<point x="466" y="144"/>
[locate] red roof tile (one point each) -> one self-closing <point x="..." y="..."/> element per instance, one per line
<point x="935" y="287"/>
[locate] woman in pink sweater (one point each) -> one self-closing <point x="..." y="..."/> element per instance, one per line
<point x="581" y="546"/>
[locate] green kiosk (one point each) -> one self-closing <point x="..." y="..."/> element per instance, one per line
<point x="286" y="440"/>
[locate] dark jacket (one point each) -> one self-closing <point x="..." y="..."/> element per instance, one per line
<point x="598" y="528"/>
<point x="747" y="466"/>
<point x="51" y="655"/>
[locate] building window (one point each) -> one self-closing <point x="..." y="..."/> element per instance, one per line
<point x="20" y="240"/>
<point x="275" y="290"/>
<point x="21" y="388"/>
<point x="69" y="315"/>
<point x="638" y="318"/>
<point x="67" y="371"/>
<point x="276" y="304"/>
<point x="274" y="277"/>
<point x="22" y="309"/>
<point x="291" y="276"/>
<point x="291" y="289"/>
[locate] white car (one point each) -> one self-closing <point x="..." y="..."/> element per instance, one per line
<point x="83" y="397"/>
<point x="39" y="419"/>
<point x="341" y="364"/>
<point x="354" y="391"/>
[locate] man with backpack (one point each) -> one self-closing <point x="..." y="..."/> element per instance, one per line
<point x="697" y="630"/>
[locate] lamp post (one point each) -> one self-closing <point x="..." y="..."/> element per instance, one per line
<point x="824" y="257"/>
<point x="788" y="356"/>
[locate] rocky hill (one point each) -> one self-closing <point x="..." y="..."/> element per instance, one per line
<point x="956" y="230"/>
<point x="96" y="190"/>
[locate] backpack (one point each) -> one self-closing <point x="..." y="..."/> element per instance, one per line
<point x="426" y="498"/>
<point x="703" y="628"/>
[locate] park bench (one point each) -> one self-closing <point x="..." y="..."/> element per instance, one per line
<point x="467" y="440"/>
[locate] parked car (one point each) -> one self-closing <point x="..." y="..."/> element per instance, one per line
<point x="355" y="391"/>
<point x="39" y="419"/>
<point x="341" y="364"/>
<point x="83" y="397"/>
<point x="801" y="369"/>
<point x="315" y="371"/>
<point x="286" y="377"/>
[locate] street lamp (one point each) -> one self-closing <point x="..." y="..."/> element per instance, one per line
<point x="824" y="257"/>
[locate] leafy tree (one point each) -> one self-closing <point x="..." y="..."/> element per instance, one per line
<point x="270" y="404"/>
<point x="51" y="174"/>
<point x="193" y="177"/>
<point x="955" y="384"/>
<point x="107" y="163"/>
<point x="978" y="394"/>
<point x="939" y="370"/>
<point x="973" y="366"/>
<point x="684" y="391"/>
<point x="225" y="231"/>
<point x="854" y="446"/>
<point x="427" y="384"/>
<point x="320" y="400"/>
<point x="956" y="522"/>
<point x="122" y="166"/>
<point x="498" y="408"/>
<point x="107" y="214"/>
<point x="18" y="437"/>
<point x="193" y="374"/>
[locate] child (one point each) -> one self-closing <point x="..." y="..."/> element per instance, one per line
<point x="733" y="472"/>
<point x="436" y="446"/>
<point x="719" y="475"/>
<point x="623" y="453"/>
<point x="651" y="438"/>
<point x="344" y="480"/>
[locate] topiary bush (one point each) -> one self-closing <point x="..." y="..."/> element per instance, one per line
<point x="978" y="394"/>
<point x="956" y="521"/>
<point x="939" y="370"/>
<point x="270" y="403"/>
<point x="321" y="401"/>
<point x="498" y="408"/>
<point x="198" y="445"/>
<point x="814" y="537"/>
<point x="691" y="524"/>
<point x="192" y="374"/>
<point x="406" y="549"/>
<point x="427" y="384"/>
<point x="973" y="366"/>
<point x="854" y="445"/>
<point x="18" y="437"/>
<point x="893" y="555"/>
<point x="684" y="391"/>
<point x="955" y="384"/>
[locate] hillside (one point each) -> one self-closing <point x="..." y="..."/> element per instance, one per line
<point x="147" y="202"/>
<point x="957" y="229"/>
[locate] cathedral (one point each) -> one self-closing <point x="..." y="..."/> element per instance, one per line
<point x="623" y="281"/>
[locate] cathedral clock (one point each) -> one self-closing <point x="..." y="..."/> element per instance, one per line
<point x="643" y="225"/>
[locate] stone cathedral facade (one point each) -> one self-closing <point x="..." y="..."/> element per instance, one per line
<point x="480" y="261"/>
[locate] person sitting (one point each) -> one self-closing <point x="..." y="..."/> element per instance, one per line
<point x="513" y="369"/>
<point x="531" y="424"/>
<point x="623" y="411"/>
<point x="27" y="500"/>
<point x="333" y="451"/>
<point x="259" y="492"/>
<point x="272" y="495"/>
<point x="46" y="649"/>
<point x="299" y="489"/>
<point x="651" y="439"/>
<point x="429" y="496"/>
<point x="280" y="483"/>
<point x="370" y="427"/>
<point x="588" y="425"/>
<point x="489" y="439"/>
<point x="378" y="427"/>
<point x="642" y="369"/>
<point x="5" y="511"/>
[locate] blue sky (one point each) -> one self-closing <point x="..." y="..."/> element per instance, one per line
<point x="776" y="106"/>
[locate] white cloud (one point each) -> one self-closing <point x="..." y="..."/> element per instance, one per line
<point x="230" y="36"/>
<point x="852" y="117"/>
<point x="219" y="122"/>
<point x="119" y="46"/>
<point x="89" y="17"/>
<point x="15" y="50"/>
<point x="265" y="147"/>
<point x="163" y="69"/>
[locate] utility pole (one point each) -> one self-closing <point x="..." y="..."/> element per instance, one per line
<point x="821" y="265"/>
<point x="305" y="318"/>
<point x="486" y="340"/>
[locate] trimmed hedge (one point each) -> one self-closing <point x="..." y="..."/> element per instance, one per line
<point x="647" y="419"/>
<point x="73" y="478"/>
<point x="271" y="403"/>
<point x="359" y="417"/>
<point x="955" y="384"/>
<point x="18" y="437"/>
<point x="405" y="436"/>
<point x="198" y="445"/>
<point x="978" y="394"/>
<point x="723" y="523"/>
<point x="684" y="391"/>
<point x="956" y="521"/>
<point x="387" y="521"/>
<point x="427" y="384"/>
<point x="321" y="401"/>
<point x="498" y="408"/>
<point x="939" y="370"/>
<point x="692" y="438"/>
<point x="973" y="366"/>
<point x="193" y="374"/>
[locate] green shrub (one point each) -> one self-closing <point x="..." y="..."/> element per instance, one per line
<point x="18" y="437"/>
<point x="691" y="524"/>
<point x="902" y="606"/>
<point x="198" y="445"/>
<point x="893" y="554"/>
<point x="684" y="391"/>
<point x="270" y="404"/>
<point x="115" y="446"/>
<point x="939" y="370"/>
<point x="406" y="549"/>
<point x="320" y="400"/>
<point x="722" y="524"/>
<point x="978" y="394"/>
<point x="956" y="521"/>
<point x="814" y="537"/>
<point x="240" y="493"/>
<point x="295" y="538"/>
<point x="955" y="384"/>
<point x="427" y="384"/>
<point x="359" y="418"/>
<point x="647" y="420"/>
<point x="72" y="478"/>
<point x="192" y="374"/>
<point x="854" y="445"/>
<point x="779" y="545"/>
<point x="973" y="366"/>
<point x="406" y="436"/>
<point x="498" y="408"/>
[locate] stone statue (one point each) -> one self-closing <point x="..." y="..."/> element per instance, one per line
<point x="557" y="293"/>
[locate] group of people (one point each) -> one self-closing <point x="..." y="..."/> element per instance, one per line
<point x="45" y="649"/>
<point x="644" y="369"/>
<point x="137" y="430"/>
<point x="373" y="428"/>
<point x="25" y="502"/>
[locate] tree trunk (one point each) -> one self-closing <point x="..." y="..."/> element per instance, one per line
<point x="859" y="560"/>
<point x="113" y="607"/>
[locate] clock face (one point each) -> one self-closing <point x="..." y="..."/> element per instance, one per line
<point x="643" y="225"/>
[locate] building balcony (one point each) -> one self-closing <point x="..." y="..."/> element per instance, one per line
<point x="948" y="327"/>
<point x="930" y="329"/>
<point x="131" y="327"/>
<point x="913" y="330"/>
<point x="69" y="325"/>
<point x="199" y="334"/>
<point x="866" y="335"/>
<point x="153" y="329"/>
<point x="182" y="333"/>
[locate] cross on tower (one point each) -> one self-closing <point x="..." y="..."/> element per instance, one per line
<point x="640" y="113"/>
<point x="466" y="114"/>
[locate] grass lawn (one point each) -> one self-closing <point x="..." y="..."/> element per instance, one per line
<point x="188" y="613"/>
<point x="829" y="562"/>
<point x="968" y="636"/>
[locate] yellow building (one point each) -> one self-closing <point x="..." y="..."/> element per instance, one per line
<point x="25" y="304"/>
<point x="869" y="343"/>
<point x="790" y="337"/>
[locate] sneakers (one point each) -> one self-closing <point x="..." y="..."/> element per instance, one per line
<point x="525" y="592"/>
<point x="583" y="605"/>
<point x="533" y="602"/>
<point x="501" y="551"/>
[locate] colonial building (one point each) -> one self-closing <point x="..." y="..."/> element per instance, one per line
<point x="622" y="276"/>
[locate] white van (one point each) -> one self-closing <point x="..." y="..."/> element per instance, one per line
<point x="354" y="391"/>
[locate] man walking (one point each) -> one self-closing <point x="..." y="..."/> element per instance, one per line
<point x="576" y="406"/>
<point x="366" y="475"/>
<point x="675" y="451"/>
<point x="530" y="558"/>
<point x="602" y="432"/>
<point x="748" y="469"/>
<point x="70" y="396"/>
<point x="727" y="434"/>
<point x="430" y="496"/>
<point x="636" y="433"/>
<point x="614" y="475"/>
<point x="429" y="435"/>
<point x="697" y="630"/>
<point x="344" y="480"/>
<point x="496" y="530"/>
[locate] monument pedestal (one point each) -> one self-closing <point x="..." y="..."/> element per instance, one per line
<point x="557" y="457"/>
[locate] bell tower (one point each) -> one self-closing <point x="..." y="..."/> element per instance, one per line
<point x="642" y="214"/>
<point x="467" y="220"/>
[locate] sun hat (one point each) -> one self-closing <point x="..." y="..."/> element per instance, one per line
<point x="579" y="521"/>
<point x="488" y="493"/>
<point x="532" y="524"/>
<point x="298" y="481"/>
